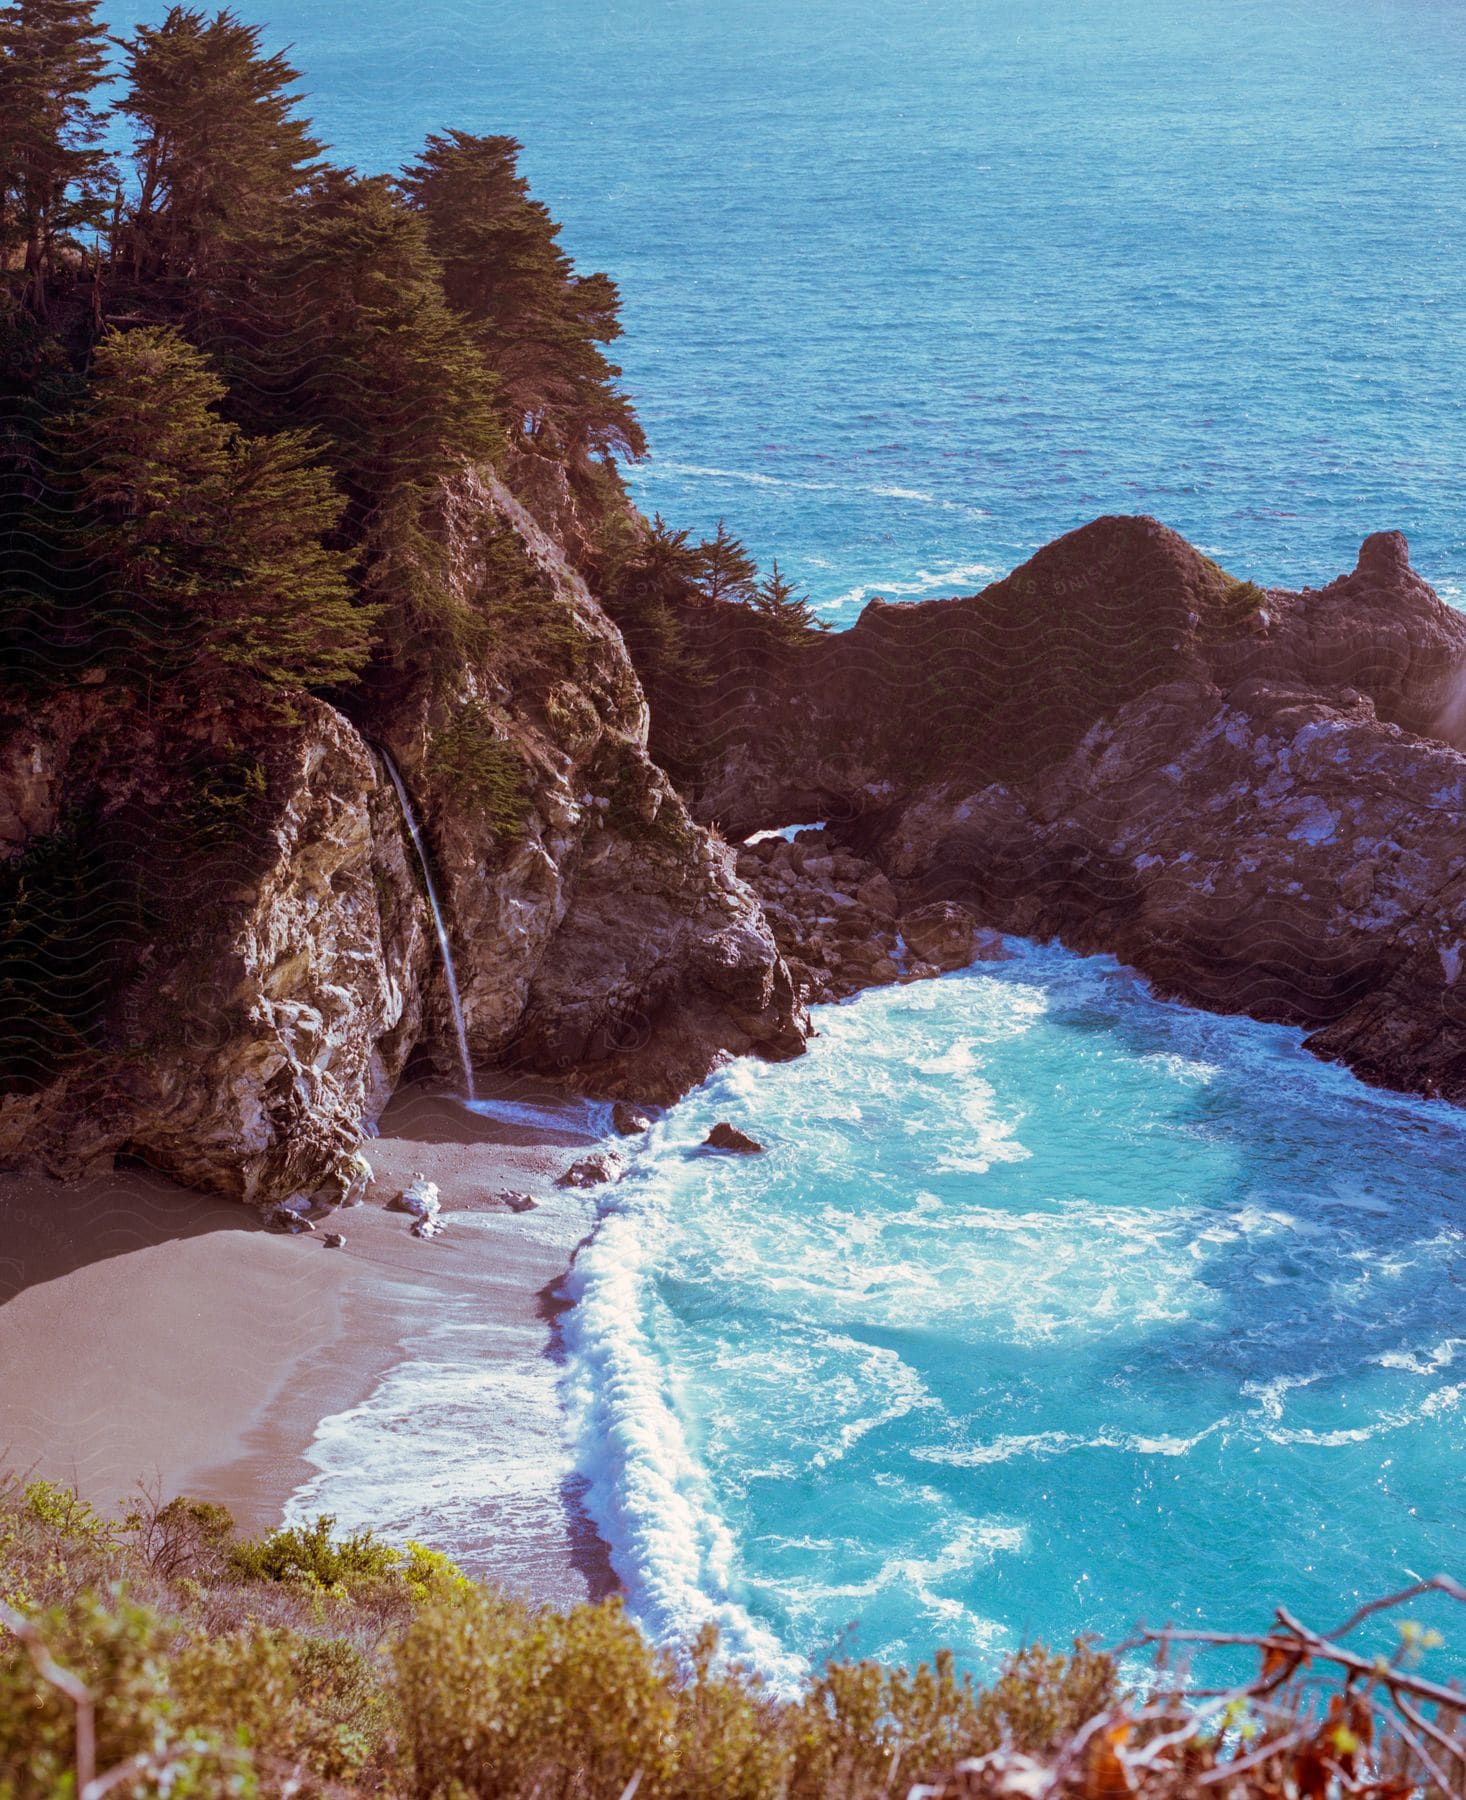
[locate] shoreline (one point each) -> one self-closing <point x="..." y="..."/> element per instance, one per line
<point x="151" y="1334"/>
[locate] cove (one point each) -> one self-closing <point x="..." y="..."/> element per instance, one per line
<point x="1052" y="1307"/>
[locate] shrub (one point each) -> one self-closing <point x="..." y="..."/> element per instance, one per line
<point x="289" y="1698"/>
<point x="310" y="1556"/>
<point x="499" y="1699"/>
<point x="120" y="1650"/>
<point x="1042" y="1697"/>
<point x="179" y="1538"/>
<point x="481" y="770"/>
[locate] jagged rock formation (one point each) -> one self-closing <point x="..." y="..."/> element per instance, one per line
<point x="249" y="976"/>
<point x="1252" y="796"/>
<point x="599" y="934"/>
<point x="224" y="960"/>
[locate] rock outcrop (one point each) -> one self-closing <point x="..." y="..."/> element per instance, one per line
<point x="599" y="934"/>
<point x="216" y="952"/>
<point x="217" y="955"/>
<point x="1255" y="797"/>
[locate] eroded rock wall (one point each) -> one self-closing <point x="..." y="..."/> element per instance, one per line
<point x="1254" y="796"/>
<point x="225" y="959"/>
<point x="251" y="955"/>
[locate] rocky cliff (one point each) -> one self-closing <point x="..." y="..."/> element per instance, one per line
<point x="1253" y="796"/>
<point x="216" y="953"/>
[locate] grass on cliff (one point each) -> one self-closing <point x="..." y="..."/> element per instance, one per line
<point x="165" y="1655"/>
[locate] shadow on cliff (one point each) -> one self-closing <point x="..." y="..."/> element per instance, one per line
<point x="51" y="1228"/>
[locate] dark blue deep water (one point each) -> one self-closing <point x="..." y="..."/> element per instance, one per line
<point x="912" y="286"/>
<point x="1052" y="1307"/>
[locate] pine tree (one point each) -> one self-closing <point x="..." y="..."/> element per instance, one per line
<point x="54" y="178"/>
<point x="194" y="553"/>
<point x="538" y="323"/>
<point x="786" y="606"/>
<point x="219" y="149"/>
<point x="725" y="570"/>
<point x="360" y="342"/>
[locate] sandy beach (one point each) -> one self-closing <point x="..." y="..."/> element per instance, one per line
<point x="151" y="1334"/>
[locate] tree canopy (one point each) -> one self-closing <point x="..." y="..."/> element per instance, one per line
<point x="235" y="379"/>
<point x="55" y="181"/>
<point x="538" y="323"/>
<point x="200" y="551"/>
<point x="219" y="150"/>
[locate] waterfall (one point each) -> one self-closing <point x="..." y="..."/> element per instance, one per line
<point x="410" y="820"/>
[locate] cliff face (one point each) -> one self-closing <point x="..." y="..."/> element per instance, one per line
<point x="224" y="990"/>
<point x="1252" y="796"/>
<point x="598" y="933"/>
<point x="218" y="955"/>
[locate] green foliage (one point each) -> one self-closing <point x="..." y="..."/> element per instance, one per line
<point x="469" y="760"/>
<point x="193" y="553"/>
<point x="537" y="323"/>
<point x="219" y="152"/>
<point x="225" y="795"/>
<point x="356" y="1566"/>
<point x="316" y="1703"/>
<point x="786" y="607"/>
<point x="54" y="179"/>
<point x="862" y="1725"/>
<point x="179" y="1537"/>
<point x="1042" y="1697"/>
<point x="121" y="1651"/>
<point x="723" y="568"/>
<point x="353" y="336"/>
<point x="499" y="1699"/>
<point x="66" y="1512"/>
<point x="343" y="1660"/>
<point x="311" y="1556"/>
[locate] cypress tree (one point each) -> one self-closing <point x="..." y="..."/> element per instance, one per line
<point x="54" y="178"/>
<point x="219" y="151"/>
<point x="786" y="606"/>
<point x="192" y="554"/>
<point x="725" y="570"/>
<point x="361" y="344"/>
<point x="538" y="323"/>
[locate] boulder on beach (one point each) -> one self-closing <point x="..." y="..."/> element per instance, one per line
<point x="429" y="1226"/>
<point x="289" y="1215"/>
<point x="515" y="1202"/>
<point x="591" y="1171"/>
<point x="943" y="933"/>
<point x="352" y="1181"/>
<point x="334" y="1240"/>
<point x="419" y="1198"/>
<point x="724" y="1136"/>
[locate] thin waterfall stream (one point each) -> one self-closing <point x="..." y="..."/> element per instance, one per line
<point x="410" y="820"/>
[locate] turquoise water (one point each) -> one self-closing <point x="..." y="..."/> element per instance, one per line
<point x="1051" y="1307"/>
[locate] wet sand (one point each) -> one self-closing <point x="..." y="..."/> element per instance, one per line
<point x="149" y="1334"/>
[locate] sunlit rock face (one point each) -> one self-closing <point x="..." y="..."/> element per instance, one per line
<point x="240" y="961"/>
<point x="1253" y="796"/>
<point x="258" y="982"/>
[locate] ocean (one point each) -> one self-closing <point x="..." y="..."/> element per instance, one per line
<point x="1052" y="1307"/>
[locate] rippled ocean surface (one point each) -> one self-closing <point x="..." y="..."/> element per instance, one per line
<point x="912" y="286"/>
<point x="1051" y="1306"/>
